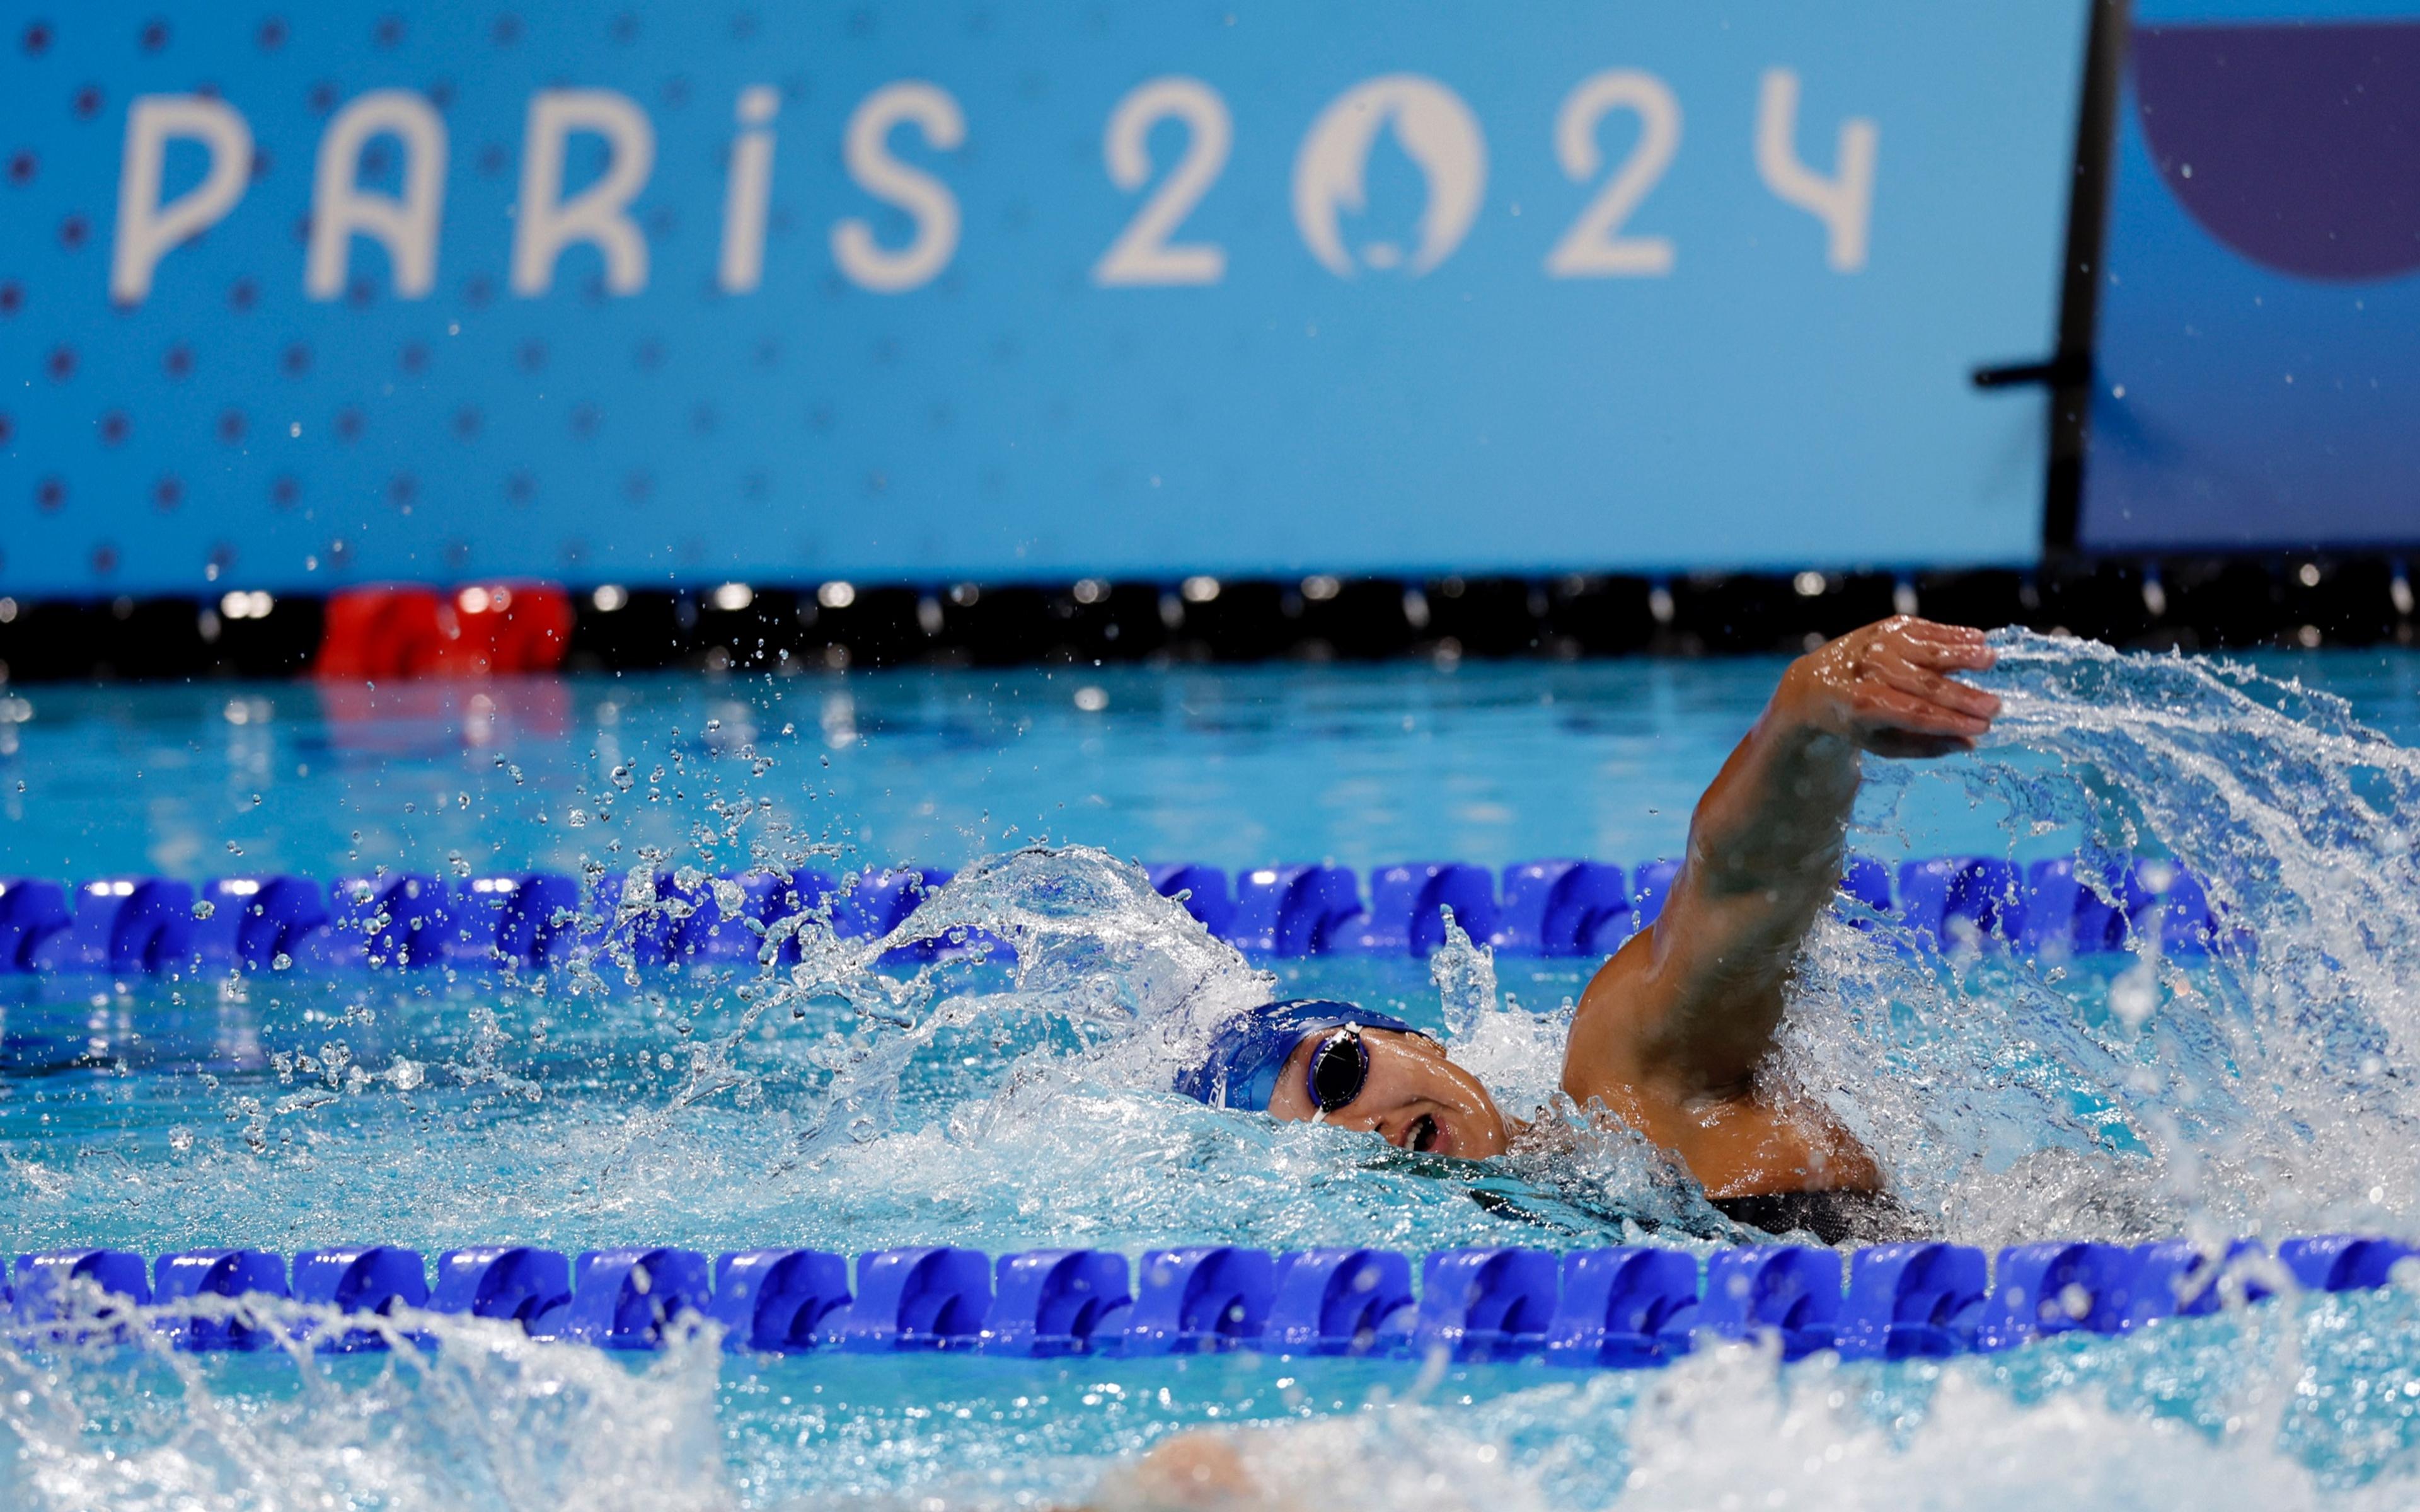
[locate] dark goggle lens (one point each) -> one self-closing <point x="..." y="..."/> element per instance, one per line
<point x="1338" y="1070"/>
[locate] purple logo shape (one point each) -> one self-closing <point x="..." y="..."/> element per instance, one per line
<point x="2297" y="145"/>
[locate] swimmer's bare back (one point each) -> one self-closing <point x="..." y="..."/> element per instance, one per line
<point x="1671" y="1030"/>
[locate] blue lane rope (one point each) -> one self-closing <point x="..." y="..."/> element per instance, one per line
<point x="1629" y="1307"/>
<point x="163" y="925"/>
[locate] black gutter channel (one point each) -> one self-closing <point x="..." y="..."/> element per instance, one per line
<point x="2204" y="602"/>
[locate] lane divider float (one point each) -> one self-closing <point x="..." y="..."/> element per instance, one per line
<point x="163" y="925"/>
<point x="1622" y="1308"/>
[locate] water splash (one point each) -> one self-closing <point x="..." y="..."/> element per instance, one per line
<point x="459" y="1412"/>
<point x="2226" y="1412"/>
<point x="1080" y="937"/>
<point x="2255" y="1088"/>
<point x="851" y="1101"/>
<point x="1464" y="975"/>
<point x="2264" y="1086"/>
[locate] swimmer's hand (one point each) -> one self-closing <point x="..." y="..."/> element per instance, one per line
<point x="1887" y="688"/>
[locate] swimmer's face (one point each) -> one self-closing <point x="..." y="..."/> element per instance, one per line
<point x="1415" y="1097"/>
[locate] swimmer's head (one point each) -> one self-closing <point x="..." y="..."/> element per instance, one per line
<point x="1343" y="1065"/>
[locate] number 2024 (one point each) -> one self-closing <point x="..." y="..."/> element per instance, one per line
<point x="1437" y="131"/>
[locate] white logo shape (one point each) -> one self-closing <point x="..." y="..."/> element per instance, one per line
<point x="1435" y="129"/>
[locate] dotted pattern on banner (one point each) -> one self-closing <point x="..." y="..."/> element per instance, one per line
<point x="423" y="436"/>
<point x="997" y="413"/>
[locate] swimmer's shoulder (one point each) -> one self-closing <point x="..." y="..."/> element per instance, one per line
<point x="1601" y="1055"/>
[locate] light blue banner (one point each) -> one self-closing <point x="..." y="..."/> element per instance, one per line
<point x="946" y="291"/>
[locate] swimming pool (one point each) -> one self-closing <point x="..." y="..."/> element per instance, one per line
<point x="2017" y="1097"/>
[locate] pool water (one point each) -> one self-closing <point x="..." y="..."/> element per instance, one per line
<point x="1013" y="1104"/>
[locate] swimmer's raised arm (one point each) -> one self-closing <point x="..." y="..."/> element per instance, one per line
<point x="1670" y="1031"/>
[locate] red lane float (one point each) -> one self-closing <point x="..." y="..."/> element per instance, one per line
<point x="476" y="630"/>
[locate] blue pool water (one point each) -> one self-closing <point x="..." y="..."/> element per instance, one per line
<point x="1009" y="1107"/>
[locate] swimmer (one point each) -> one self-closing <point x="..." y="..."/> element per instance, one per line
<point x="1672" y="1031"/>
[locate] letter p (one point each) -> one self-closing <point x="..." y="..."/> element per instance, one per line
<point x="147" y="229"/>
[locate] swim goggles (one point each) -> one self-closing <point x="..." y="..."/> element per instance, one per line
<point x="1245" y="1058"/>
<point x="1340" y="1067"/>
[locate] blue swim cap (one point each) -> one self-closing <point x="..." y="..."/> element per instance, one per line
<point x="1246" y="1055"/>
